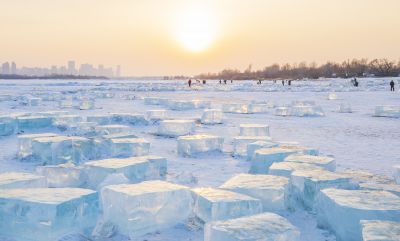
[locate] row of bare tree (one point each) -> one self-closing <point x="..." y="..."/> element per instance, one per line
<point x="346" y="69"/>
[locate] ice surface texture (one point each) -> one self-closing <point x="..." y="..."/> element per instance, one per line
<point x="21" y="180"/>
<point x="63" y="175"/>
<point x="260" y="227"/>
<point x="174" y="128"/>
<point x="212" y="116"/>
<point x="46" y="214"/>
<point x="375" y="230"/>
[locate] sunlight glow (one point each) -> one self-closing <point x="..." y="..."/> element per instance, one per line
<point x="195" y="27"/>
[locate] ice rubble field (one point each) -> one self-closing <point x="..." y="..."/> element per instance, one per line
<point x="154" y="160"/>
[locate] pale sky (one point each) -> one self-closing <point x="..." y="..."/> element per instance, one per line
<point x="165" y="37"/>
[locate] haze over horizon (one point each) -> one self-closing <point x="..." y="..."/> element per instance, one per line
<point x="191" y="37"/>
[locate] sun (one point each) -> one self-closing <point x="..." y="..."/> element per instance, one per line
<point x="195" y="28"/>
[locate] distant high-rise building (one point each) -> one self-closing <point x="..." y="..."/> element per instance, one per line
<point x="5" y="68"/>
<point x="71" y="67"/>
<point x="53" y="70"/>
<point x="13" y="68"/>
<point x="86" y="70"/>
<point x="118" y="71"/>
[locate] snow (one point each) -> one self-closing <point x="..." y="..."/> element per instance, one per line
<point x="197" y="144"/>
<point x="265" y="226"/>
<point x="271" y="190"/>
<point x="137" y="209"/>
<point x="334" y="204"/>
<point x="364" y="147"/>
<point x="376" y="230"/>
<point x="46" y="213"/>
<point x="211" y="204"/>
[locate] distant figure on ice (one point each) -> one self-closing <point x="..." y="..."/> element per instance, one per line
<point x="224" y="81"/>
<point x="204" y="81"/>
<point x="220" y="82"/>
<point x="392" y="85"/>
<point x="231" y="81"/>
<point x="290" y="82"/>
<point x="355" y="82"/>
<point x="190" y="83"/>
<point x="283" y="82"/>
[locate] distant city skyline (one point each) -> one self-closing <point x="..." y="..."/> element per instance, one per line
<point x="85" y="69"/>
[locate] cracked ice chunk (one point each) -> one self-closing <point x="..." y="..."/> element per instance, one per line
<point x="397" y="174"/>
<point x="33" y="122"/>
<point x="213" y="204"/>
<point x="136" y="169"/>
<point x="328" y="163"/>
<point x="46" y="214"/>
<point x="387" y="111"/>
<point x="271" y="190"/>
<point x="265" y="157"/>
<point x="61" y="149"/>
<point x="235" y="108"/>
<point x="253" y="147"/>
<point x="156" y="115"/>
<point x="282" y="111"/>
<point x="21" y="180"/>
<point x="254" y="130"/>
<point x="376" y="230"/>
<point x="196" y="144"/>
<point x="345" y="108"/>
<point x="137" y="209"/>
<point x="126" y="147"/>
<point x="63" y="175"/>
<point x="393" y="188"/>
<point x="176" y="128"/>
<point x="260" y="227"/>
<point x="25" y="143"/>
<point x="306" y="184"/>
<point x="342" y="210"/>
<point x="285" y="168"/>
<point x="212" y="116"/>
<point x="100" y="119"/>
<point x="240" y="143"/>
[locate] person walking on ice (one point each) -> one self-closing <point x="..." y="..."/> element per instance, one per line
<point x="190" y="83"/>
<point x="392" y="85"/>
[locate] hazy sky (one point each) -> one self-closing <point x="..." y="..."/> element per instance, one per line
<point x="149" y="37"/>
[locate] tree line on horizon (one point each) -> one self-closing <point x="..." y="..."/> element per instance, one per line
<point x="346" y="69"/>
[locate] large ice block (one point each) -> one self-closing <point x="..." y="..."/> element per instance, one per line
<point x="61" y="149"/>
<point x="342" y="210"/>
<point x="65" y="120"/>
<point x="306" y="184"/>
<point x="235" y="108"/>
<point x="156" y="115"/>
<point x="377" y="230"/>
<point x="306" y="111"/>
<point x="240" y="143"/>
<point x="387" y="111"/>
<point x="25" y="143"/>
<point x="345" y="108"/>
<point x="33" y="122"/>
<point x="181" y="104"/>
<point x="212" y="116"/>
<point x="285" y="169"/>
<point x="21" y="180"/>
<point x="63" y="175"/>
<point x="104" y="119"/>
<point x="111" y="129"/>
<point x="260" y="227"/>
<point x="46" y="214"/>
<point x="137" y="209"/>
<point x="332" y="96"/>
<point x="211" y="204"/>
<point x="8" y="125"/>
<point x="176" y="128"/>
<point x="258" y="108"/>
<point x="196" y="144"/>
<point x="136" y="169"/>
<point x="126" y="147"/>
<point x="390" y="187"/>
<point x="129" y="118"/>
<point x="325" y="162"/>
<point x="282" y="111"/>
<point x="271" y="190"/>
<point x="253" y="147"/>
<point x="397" y="174"/>
<point x="265" y="157"/>
<point x="254" y="130"/>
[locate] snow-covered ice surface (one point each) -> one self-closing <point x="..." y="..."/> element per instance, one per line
<point x="357" y="140"/>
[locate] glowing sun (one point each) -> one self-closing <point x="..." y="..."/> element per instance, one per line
<point x="195" y="28"/>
